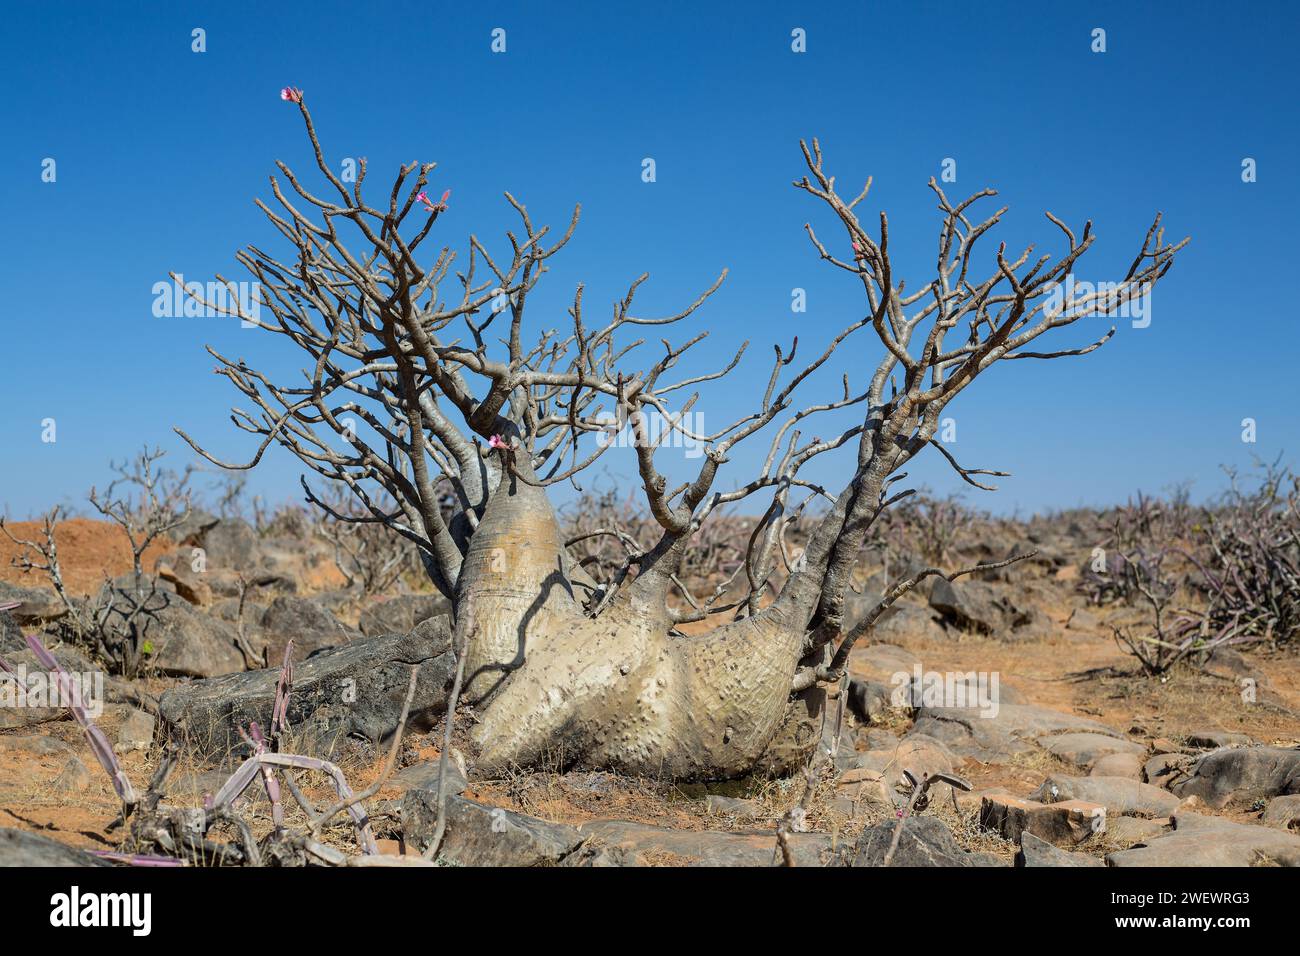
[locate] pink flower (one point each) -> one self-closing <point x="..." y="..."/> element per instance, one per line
<point x="496" y="441"/>
<point x="291" y="94"/>
<point x="441" y="206"/>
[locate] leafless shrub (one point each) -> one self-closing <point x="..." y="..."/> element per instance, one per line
<point x="370" y="557"/>
<point x="1248" y="562"/>
<point x="146" y="502"/>
<point x="1173" y="634"/>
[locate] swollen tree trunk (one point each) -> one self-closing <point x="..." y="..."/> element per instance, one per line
<point x="618" y="691"/>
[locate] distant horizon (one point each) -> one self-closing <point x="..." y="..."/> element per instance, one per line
<point x="160" y="149"/>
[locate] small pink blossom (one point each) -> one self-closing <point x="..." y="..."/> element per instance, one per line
<point x="496" y="441"/>
<point x="440" y="206"/>
<point x="291" y="94"/>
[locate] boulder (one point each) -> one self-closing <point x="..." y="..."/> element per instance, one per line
<point x="732" y="806"/>
<point x="1283" y="812"/>
<point x="37" y="744"/>
<point x="20" y="848"/>
<point x="307" y="624"/>
<point x="1128" y="765"/>
<point x="75" y="777"/>
<point x="1197" y="840"/>
<point x="1242" y="773"/>
<point x="707" y="847"/>
<point x="1127" y="831"/>
<point x="482" y="835"/>
<point x="925" y="841"/>
<point x="969" y="605"/>
<point x="177" y="569"/>
<point x="354" y="690"/>
<point x="881" y="662"/>
<point x="1119" y="795"/>
<point x="1066" y="823"/>
<point x="38" y="605"/>
<point x="1035" y="851"/>
<point x="23" y="702"/>
<point x="1085" y="749"/>
<point x="231" y="544"/>
<point x="1214" y="739"/>
<point x="1164" y="769"/>
<point x="136" y="732"/>
<point x="11" y="634"/>
<point x="907" y="621"/>
<point x="424" y="776"/>
<point x="1014" y="729"/>
<point x="398" y="615"/>
<point x="1082" y="619"/>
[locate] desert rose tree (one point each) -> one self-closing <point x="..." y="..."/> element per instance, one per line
<point x="415" y="394"/>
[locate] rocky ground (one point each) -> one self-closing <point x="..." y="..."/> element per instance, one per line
<point x="1084" y="761"/>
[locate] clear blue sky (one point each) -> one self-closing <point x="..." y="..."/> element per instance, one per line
<point x="161" y="150"/>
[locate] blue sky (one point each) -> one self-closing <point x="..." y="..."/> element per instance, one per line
<point x="160" y="151"/>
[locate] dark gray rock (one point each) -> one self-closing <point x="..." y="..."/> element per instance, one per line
<point x="310" y="627"/>
<point x="194" y="526"/>
<point x="1197" y="840"/>
<point x="11" y="635"/>
<point x="1085" y="749"/>
<point x="709" y="847"/>
<point x="424" y="776"/>
<point x="1015" y="728"/>
<point x="231" y="544"/>
<point x="39" y="605"/>
<point x="925" y="841"/>
<point x="1164" y="770"/>
<point x="970" y="605"/>
<point x="22" y="700"/>
<point x="869" y="700"/>
<point x="1214" y="739"/>
<point x="1242" y="773"/>
<point x="356" y="690"/>
<point x="136" y="732"/>
<point x="398" y="615"/>
<point x="481" y="835"/>
<point x="1119" y="795"/>
<point x="1283" y="812"/>
<point x="20" y="848"/>
<point x="1038" y="852"/>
